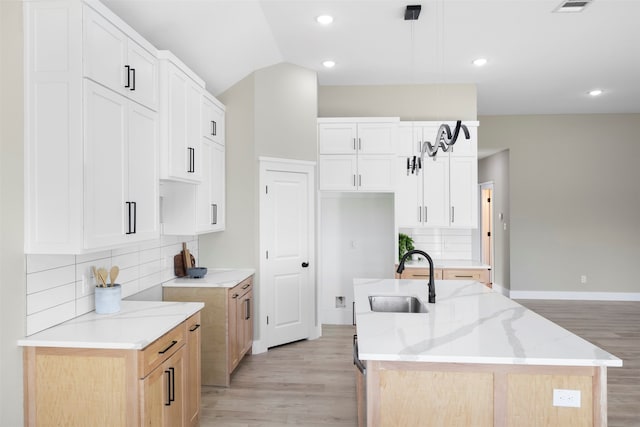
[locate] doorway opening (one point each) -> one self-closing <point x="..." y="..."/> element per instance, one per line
<point x="486" y="226"/>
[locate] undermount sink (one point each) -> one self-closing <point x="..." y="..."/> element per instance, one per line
<point x="397" y="304"/>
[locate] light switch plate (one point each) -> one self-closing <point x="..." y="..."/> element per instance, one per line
<point x="566" y="398"/>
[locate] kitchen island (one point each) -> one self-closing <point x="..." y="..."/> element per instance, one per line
<point x="476" y="358"/>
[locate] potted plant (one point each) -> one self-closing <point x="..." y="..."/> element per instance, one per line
<point x="405" y="244"/>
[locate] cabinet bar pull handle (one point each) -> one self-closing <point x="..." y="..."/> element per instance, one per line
<point x="463" y="276"/>
<point x="234" y="296"/>
<point x="453" y="214"/>
<point x="354" y="179"/>
<point x="174" y="342"/>
<point x="172" y="396"/>
<point x="359" y="180"/>
<point x="168" y="402"/>
<point x="353" y="313"/>
<point x="196" y="326"/>
<point x="214" y="128"/>
<point x="214" y="214"/>
<point x="354" y="144"/>
<point x="246" y="286"/>
<point x="419" y="214"/>
<point x="426" y="214"/>
<point x="135" y="217"/>
<point x="247" y="315"/>
<point x="128" y="218"/>
<point x="359" y="144"/>
<point x="128" y="76"/>
<point x="133" y="85"/>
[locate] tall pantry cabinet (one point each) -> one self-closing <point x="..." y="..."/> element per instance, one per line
<point x="91" y="174"/>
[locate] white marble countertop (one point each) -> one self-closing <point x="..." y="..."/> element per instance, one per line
<point x="448" y="263"/>
<point x="136" y="325"/>
<point x="215" y="278"/>
<point x="469" y="323"/>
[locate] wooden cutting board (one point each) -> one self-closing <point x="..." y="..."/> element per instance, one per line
<point x="178" y="264"/>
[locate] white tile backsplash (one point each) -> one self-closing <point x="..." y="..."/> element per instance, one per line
<point x="61" y="287"/>
<point x="442" y="243"/>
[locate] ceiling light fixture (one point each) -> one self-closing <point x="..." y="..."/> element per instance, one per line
<point x="324" y="19"/>
<point x="480" y="62"/>
<point x="595" y="92"/>
<point x="329" y="64"/>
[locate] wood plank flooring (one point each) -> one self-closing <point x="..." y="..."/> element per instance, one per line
<point x="311" y="383"/>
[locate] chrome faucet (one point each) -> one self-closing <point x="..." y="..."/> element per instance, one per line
<point x="432" y="286"/>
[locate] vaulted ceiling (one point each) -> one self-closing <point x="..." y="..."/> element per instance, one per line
<point x="539" y="62"/>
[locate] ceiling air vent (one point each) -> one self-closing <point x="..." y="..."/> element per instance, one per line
<point x="572" y="5"/>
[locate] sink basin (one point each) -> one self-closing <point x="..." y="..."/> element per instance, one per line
<point x="397" y="304"/>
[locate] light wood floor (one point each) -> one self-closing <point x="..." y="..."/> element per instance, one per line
<point x="311" y="383"/>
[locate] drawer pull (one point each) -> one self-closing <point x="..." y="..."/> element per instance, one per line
<point x="196" y="326"/>
<point x="246" y="286"/>
<point x="235" y="296"/>
<point x="463" y="276"/>
<point x="174" y="342"/>
<point x="168" y="402"/>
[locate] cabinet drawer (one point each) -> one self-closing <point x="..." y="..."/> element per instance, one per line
<point x="161" y="349"/>
<point x="481" y="275"/>
<point x="419" y="273"/>
<point x="243" y="287"/>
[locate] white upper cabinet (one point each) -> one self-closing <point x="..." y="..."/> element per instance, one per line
<point x="181" y="94"/>
<point x="213" y="116"/>
<point x="91" y="174"/>
<point x="440" y="191"/>
<point x="116" y="61"/>
<point x="357" y="154"/>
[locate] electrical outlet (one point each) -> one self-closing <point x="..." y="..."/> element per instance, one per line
<point x="340" y="302"/>
<point x="566" y="398"/>
<point x="583" y="279"/>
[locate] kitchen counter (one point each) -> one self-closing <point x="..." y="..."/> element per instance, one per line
<point x="469" y="323"/>
<point x="215" y="278"/>
<point x="136" y="325"/>
<point x="459" y="264"/>
<point x="487" y="360"/>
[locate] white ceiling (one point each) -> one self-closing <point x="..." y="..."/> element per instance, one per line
<point x="539" y="62"/>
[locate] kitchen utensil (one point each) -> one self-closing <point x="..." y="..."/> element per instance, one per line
<point x="187" y="256"/>
<point x="103" y="274"/>
<point x="178" y="264"/>
<point x="113" y="274"/>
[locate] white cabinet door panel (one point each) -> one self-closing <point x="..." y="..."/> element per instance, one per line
<point x="408" y="197"/>
<point x="375" y="173"/>
<point x="105" y="50"/>
<point x="435" y="182"/>
<point x="376" y="138"/>
<point x="405" y="141"/>
<point x="218" y="193"/>
<point x="338" y="172"/>
<point x="143" y="81"/>
<point x="337" y="138"/>
<point x="143" y="171"/>
<point x="212" y="120"/>
<point x="203" y="192"/>
<point x="463" y="196"/>
<point x="105" y="140"/>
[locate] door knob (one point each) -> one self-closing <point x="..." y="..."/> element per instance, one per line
<point x="305" y="264"/>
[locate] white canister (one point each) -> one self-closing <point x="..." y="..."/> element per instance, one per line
<point x="107" y="299"/>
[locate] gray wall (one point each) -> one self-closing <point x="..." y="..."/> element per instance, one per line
<point x="272" y="113"/>
<point x="495" y="168"/>
<point x="409" y="102"/>
<point x="12" y="260"/>
<point x="575" y="199"/>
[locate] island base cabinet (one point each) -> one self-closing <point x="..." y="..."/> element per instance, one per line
<point x="420" y="393"/>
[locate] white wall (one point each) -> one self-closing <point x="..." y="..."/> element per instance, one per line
<point x="574" y="199"/>
<point x="12" y="268"/>
<point x="356" y="240"/>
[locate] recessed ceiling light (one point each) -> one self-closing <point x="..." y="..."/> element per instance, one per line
<point x="324" y="19"/>
<point x="329" y="64"/>
<point x="595" y="92"/>
<point x="480" y="62"/>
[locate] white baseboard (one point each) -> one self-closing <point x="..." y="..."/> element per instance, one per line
<point x="499" y="289"/>
<point x="259" y="346"/>
<point x="583" y="296"/>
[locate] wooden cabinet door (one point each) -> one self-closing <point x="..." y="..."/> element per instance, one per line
<point x="142" y="169"/>
<point x="174" y="370"/>
<point x="192" y="378"/>
<point x="105" y="209"/>
<point x="247" y="322"/>
<point x="232" y="329"/>
<point x="375" y="172"/>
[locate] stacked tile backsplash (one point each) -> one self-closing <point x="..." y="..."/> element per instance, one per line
<point x="61" y="287"/>
<point x="442" y="243"/>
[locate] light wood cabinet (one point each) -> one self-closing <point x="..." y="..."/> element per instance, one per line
<point x="91" y="177"/>
<point x="418" y="273"/>
<point x="481" y="275"/>
<point x="193" y="376"/>
<point x="356" y="154"/>
<point x="227" y="326"/>
<point x="107" y="387"/>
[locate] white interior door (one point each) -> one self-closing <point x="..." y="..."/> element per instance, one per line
<point x="287" y="278"/>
